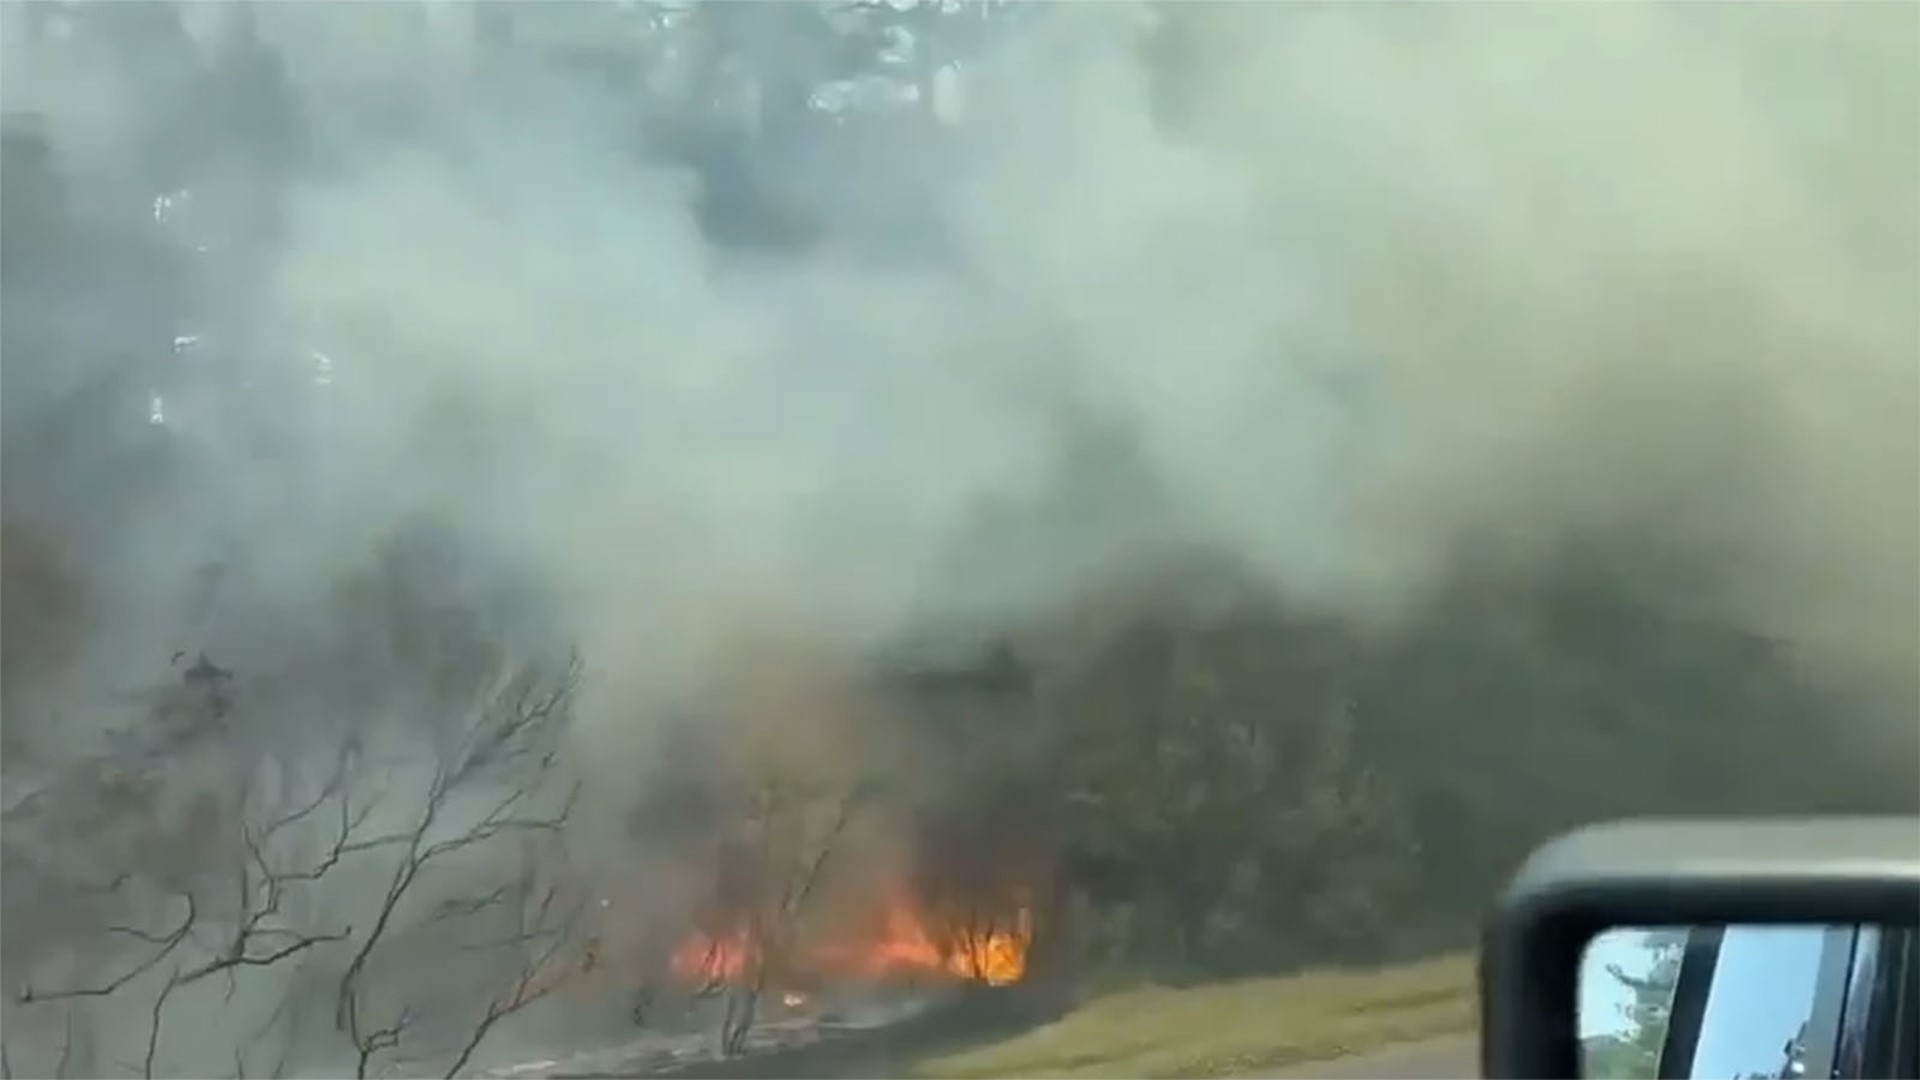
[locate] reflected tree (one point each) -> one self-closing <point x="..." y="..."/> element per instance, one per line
<point x="1633" y="1053"/>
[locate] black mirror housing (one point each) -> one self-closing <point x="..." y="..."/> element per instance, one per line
<point x="1671" y="872"/>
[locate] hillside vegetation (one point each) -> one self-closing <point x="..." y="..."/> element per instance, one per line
<point x="1231" y="791"/>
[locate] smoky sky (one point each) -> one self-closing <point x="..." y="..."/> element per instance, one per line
<point x="1372" y="293"/>
<point x="1363" y="297"/>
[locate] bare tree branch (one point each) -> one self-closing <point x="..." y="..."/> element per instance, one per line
<point x="280" y="1063"/>
<point x="499" y="778"/>
<point x="534" y="981"/>
<point x="61" y="1066"/>
<point x="261" y="890"/>
<point x="797" y="897"/>
<point x="385" y="1038"/>
<point x="335" y="784"/>
<point x="498" y="821"/>
<point x="168" y="943"/>
<point x="789" y="865"/>
<point x="142" y="935"/>
<point x="153" y="1023"/>
<point x="711" y="968"/>
<point x="243" y="959"/>
<point x="274" y="1017"/>
<point x="452" y="909"/>
<point x="514" y="724"/>
<point x="259" y="937"/>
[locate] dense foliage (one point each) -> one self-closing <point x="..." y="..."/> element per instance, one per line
<point x="1245" y="791"/>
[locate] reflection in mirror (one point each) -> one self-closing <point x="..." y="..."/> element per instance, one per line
<point x="1738" y="1001"/>
<point x="1627" y="982"/>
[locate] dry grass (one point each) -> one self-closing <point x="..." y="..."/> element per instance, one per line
<point x="1234" y="1028"/>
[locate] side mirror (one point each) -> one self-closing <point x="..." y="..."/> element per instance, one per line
<point x="1651" y="949"/>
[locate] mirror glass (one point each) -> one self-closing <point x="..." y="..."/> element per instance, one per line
<point x="1723" y="1001"/>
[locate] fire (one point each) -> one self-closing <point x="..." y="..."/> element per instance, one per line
<point x="711" y="960"/>
<point x="908" y="944"/>
<point x="997" y="957"/>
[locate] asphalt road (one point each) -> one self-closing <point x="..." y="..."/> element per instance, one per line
<point x="1444" y="1059"/>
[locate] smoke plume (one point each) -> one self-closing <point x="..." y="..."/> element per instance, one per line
<point x="1380" y="292"/>
<point x="1373" y="295"/>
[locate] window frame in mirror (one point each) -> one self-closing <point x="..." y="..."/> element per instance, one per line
<point x="1878" y="1020"/>
<point x="1714" y="1000"/>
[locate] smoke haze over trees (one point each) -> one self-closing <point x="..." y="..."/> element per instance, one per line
<point x="1239" y="473"/>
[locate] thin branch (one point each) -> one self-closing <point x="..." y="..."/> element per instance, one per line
<point x="344" y="844"/>
<point x="256" y="941"/>
<point x="346" y="1014"/>
<point x="277" y="932"/>
<point x="259" y="900"/>
<point x="168" y="942"/>
<point x="710" y="966"/>
<point x="289" y="1038"/>
<point x="244" y="959"/>
<point x="138" y="934"/>
<point x="537" y="977"/>
<point x="153" y="1024"/>
<point x="527" y="989"/>
<point x="335" y="784"/>
<point x="452" y="909"/>
<point x="798" y="897"/>
<point x="385" y="1038"/>
<point x="514" y="713"/>
<point x="273" y="1018"/>
<point x="497" y="822"/>
<point x="66" y="1049"/>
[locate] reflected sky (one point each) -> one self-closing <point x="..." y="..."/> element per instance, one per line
<point x="1763" y="990"/>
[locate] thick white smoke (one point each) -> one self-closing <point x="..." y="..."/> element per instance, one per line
<point x="1378" y="292"/>
<point x="1401" y="289"/>
<point x="1397" y="289"/>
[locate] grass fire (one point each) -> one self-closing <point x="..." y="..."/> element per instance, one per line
<point x="903" y="942"/>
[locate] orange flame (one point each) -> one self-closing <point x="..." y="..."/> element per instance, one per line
<point x="995" y="956"/>
<point x="712" y="960"/>
<point x="993" y="952"/>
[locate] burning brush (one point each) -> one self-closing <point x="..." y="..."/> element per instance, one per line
<point x="907" y="943"/>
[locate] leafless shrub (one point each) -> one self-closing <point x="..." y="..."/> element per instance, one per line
<point x="260" y="902"/>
